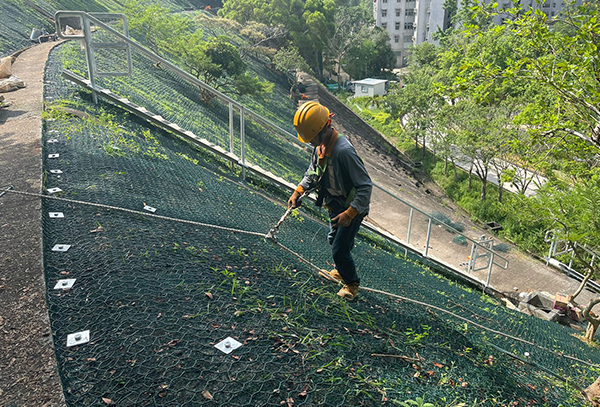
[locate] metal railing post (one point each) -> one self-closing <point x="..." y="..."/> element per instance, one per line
<point x="243" y="141"/>
<point x="471" y="258"/>
<point x="489" y="276"/>
<point x="428" y="237"/>
<point x="231" y="146"/>
<point x="88" y="54"/>
<point x="410" y="219"/>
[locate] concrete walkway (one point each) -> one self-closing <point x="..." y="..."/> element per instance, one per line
<point x="27" y="363"/>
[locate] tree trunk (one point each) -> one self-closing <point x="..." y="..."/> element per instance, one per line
<point x="483" y="189"/>
<point x="500" y="189"/>
<point x="593" y="320"/>
<point x="470" y="176"/>
<point x="593" y="393"/>
<point x="591" y="329"/>
<point x="588" y="274"/>
<point x="455" y="171"/>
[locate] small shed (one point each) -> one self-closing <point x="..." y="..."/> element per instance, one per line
<point x="369" y="87"/>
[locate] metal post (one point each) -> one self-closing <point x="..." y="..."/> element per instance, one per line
<point x="243" y="141"/>
<point x="87" y="35"/>
<point x="410" y="218"/>
<point x="489" y="276"/>
<point x="231" y="147"/>
<point x="471" y="258"/>
<point x="6" y="190"/>
<point x="428" y="236"/>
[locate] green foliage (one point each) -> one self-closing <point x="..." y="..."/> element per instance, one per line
<point x="369" y="54"/>
<point x="215" y="61"/>
<point x="309" y="23"/>
<point x="459" y="240"/>
<point x="418" y="402"/>
<point x="289" y="61"/>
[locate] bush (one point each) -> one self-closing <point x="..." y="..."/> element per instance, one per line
<point x="439" y="218"/>
<point x="501" y="247"/>
<point x="460" y="240"/>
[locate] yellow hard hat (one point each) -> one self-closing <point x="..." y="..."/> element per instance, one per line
<point x="309" y="120"/>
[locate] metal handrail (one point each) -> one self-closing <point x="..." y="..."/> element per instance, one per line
<point x="265" y="122"/>
<point x="429" y="217"/>
<point x="170" y="66"/>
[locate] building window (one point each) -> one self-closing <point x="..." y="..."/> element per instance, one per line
<point x="397" y="25"/>
<point x="408" y="38"/>
<point x="363" y="89"/>
<point x="384" y="25"/>
<point x="409" y="12"/>
<point x="408" y="26"/>
<point x="398" y="11"/>
<point x="383" y="13"/>
<point x="396" y="39"/>
<point x="384" y="1"/>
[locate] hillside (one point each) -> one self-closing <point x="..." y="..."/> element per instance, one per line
<point x="157" y="290"/>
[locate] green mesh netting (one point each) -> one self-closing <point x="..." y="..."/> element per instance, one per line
<point x="166" y="94"/>
<point x="157" y="293"/>
<point x="19" y="17"/>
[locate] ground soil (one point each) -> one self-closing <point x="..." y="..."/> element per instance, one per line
<point x="28" y="375"/>
<point x="27" y="363"/>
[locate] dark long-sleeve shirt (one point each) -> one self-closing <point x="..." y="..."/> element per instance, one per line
<point x="345" y="172"/>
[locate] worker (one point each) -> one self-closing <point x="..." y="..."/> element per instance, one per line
<point x="343" y="184"/>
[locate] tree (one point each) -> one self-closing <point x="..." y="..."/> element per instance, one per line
<point x="369" y="53"/>
<point x="215" y="61"/>
<point x="308" y="22"/>
<point x="348" y="22"/>
<point x="480" y="136"/>
<point x="289" y="61"/>
<point x="264" y="39"/>
<point x="413" y="106"/>
<point x="157" y="24"/>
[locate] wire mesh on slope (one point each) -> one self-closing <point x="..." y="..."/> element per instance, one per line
<point x="157" y="294"/>
<point x="178" y="101"/>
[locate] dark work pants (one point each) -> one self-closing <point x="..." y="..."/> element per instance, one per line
<point x="341" y="240"/>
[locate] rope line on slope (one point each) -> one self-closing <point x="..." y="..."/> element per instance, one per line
<point x="190" y="222"/>
<point x="319" y="271"/>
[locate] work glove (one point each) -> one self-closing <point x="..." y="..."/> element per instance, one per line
<point x="294" y="201"/>
<point x="344" y="218"/>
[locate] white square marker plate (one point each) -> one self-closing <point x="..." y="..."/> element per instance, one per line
<point x="150" y="209"/>
<point x="61" y="247"/>
<point x="56" y="214"/>
<point x="64" y="284"/>
<point x="228" y="345"/>
<point x="54" y="190"/>
<point x="78" y="338"/>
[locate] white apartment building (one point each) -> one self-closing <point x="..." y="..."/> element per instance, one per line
<point x="412" y="22"/>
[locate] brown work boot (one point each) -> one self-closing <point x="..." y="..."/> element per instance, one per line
<point x="349" y="291"/>
<point x="335" y="274"/>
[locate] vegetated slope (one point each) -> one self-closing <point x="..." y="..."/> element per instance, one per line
<point x="166" y="94"/>
<point x="158" y="293"/>
<point x="19" y="17"/>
